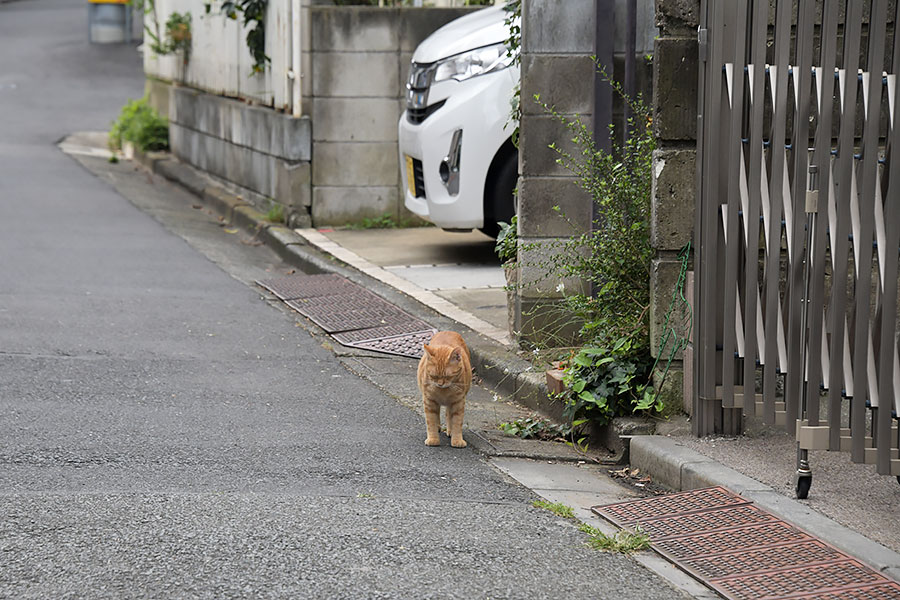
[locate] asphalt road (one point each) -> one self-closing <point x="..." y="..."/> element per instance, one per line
<point x="165" y="432"/>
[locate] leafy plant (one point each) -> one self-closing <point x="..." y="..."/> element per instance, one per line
<point x="513" y="48"/>
<point x="148" y="7"/>
<point x="622" y="541"/>
<point x="609" y="376"/>
<point x="275" y="213"/>
<point x="531" y="428"/>
<point x="614" y="256"/>
<point x="557" y="508"/>
<point x="178" y="34"/>
<point x="254" y="18"/>
<point x="603" y="382"/>
<point x="507" y="240"/>
<point x="141" y="125"/>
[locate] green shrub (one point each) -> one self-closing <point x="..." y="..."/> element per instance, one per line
<point x="609" y="375"/>
<point x="141" y="125"/>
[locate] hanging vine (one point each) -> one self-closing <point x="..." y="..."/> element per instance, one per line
<point x="254" y="19"/>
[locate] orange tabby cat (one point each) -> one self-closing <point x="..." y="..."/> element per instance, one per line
<point x="445" y="376"/>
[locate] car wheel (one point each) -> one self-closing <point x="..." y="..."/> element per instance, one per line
<point x="499" y="201"/>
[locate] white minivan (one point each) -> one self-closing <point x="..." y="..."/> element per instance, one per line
<point x="457" y="160"/>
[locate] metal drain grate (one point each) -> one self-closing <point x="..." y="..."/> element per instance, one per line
<point x="802" y="580"/>
<point x="353" y="315"/>
<point x="744" y="552"/>
<point x="762" y="559"/>
<point x="403" y="345"/>
<point x="625" y="513"/>
<point x="360" y="310"/>
<point x="712" y="520"/>
<point x="308" y="286"/>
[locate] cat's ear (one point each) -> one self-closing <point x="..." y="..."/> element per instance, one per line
<point x="456" y="356"/>
<point x="428" y="349"/>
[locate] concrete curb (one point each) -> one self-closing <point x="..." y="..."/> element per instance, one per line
<point x="680" y="468"/>
<point x="495" y="363"/>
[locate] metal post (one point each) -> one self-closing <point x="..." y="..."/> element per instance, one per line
<point x="630" y="84"/>
<point x="804" y="474"/>
<point x="605" y="24"/>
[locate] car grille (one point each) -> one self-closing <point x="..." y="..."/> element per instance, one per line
<point x="418" y="178"/>
<point x="418" y="115"/>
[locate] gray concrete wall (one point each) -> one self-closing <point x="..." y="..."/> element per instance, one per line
<point x="557" y="45"/>
<point x="359" y="59"/>
<point x="265" y="152"/>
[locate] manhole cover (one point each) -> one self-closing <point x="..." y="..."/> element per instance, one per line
<point x="744" y="552"/>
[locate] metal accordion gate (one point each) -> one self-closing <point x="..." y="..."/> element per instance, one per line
<point x="797" y="226"/>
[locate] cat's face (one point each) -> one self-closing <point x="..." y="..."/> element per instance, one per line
<point x="443" y="366"/>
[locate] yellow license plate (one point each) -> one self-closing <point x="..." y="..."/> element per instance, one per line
<point x="410" y="177"/>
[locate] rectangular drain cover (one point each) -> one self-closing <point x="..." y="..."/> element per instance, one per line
<point x="744" y="552"/>
<point x="308" y="286"/>
<point x="353" y="315"/>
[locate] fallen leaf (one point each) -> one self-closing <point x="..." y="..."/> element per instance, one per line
<point x="230" y="230"/>
<point x="196" y="206"/>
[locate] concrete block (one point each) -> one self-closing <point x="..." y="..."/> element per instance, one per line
<point x="558" y="27"/>
<point x="663" y="458"/>
<point x="697" y="475"/>
<point x="355" y="74"/>
<point x="346" y="205"/>
<point x="669" y="386"/>
<point x="293" y="185"/>
<point x="297" y="138"/>
<point x="260" y="129"/>
<point x="537" y="132"/>
<point x="672" y="199"/>
<point x="663" y="278"/>
<point x="350" y="164"/>
<point x="355" y="119"/>
<point x="531" y="391"/>
<point x="539" y="260"/>
<point x="353" y="28"/>
<point x="537" y="198"/>
<point x="546" y="322"/>
<point x="674" y="16"/>
<point x="675" y="71"/>
<point x="563" y="82"/>
<point x="157" y="93"/>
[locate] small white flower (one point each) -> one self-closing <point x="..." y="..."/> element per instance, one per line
<point x="561" y="288"/>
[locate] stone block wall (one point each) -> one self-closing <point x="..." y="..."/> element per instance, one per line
<point x="675" y="75"/>
<point x="359" y="62"/>
<point x="557" y="45"/>
<point x="264" y="153"/>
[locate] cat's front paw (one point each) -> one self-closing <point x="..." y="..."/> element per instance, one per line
<point x="458" y="443"/>
<point x="436" y="441"/>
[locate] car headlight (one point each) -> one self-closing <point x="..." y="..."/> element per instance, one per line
<point x="473" y="63"/>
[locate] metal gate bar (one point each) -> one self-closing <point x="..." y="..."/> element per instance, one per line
<point x="772" y="176"/>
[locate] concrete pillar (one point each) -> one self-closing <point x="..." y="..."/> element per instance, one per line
<point x="675" y="69"/>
